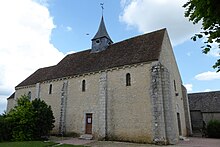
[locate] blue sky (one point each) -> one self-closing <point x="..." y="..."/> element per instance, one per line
<point x="39" y="33"/>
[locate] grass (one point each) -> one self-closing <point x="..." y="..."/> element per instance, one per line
<point x="34" y="144"/>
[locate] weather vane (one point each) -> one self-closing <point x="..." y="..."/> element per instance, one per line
<point x="102" y="6"/>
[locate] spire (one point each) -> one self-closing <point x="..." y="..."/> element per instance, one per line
<point x="101" y="31"/>
<point x="101" y="40"/>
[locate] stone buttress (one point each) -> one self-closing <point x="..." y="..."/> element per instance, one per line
<point x="163" y="121"/>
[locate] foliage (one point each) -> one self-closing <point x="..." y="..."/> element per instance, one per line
<point x="213" y="129"/>
<point x="29" y="120"/>
<point x="207" y="11"/>
<point x="5" y="128"/>
<point x="22" y="118"/>
<point x="44" y="119"/>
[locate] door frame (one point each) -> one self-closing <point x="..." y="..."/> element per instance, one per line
<point x="88" y="123"/>
<point x="179" y="123"/>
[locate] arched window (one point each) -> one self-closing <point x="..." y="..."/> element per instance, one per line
<point x="128" y="79"/>
<point x="29" y="95"/>
<point x="50" y="89"/>
<point x="174" y="83"/>
<point x="83" y="85"/>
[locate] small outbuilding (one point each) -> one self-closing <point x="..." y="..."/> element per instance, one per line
<point x="204" y="106"/>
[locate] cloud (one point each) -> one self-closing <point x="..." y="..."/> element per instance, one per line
<point x="207" y="76"/>
<point x="189" y="54"/>
<point x="42" y="2"/>
<point x="149" y="15"/>
<point x="3" y="103"/>
<point x="65" y="28"/>
<point x="214" y="52"/>
<point x="68" y="28"/>
<point x="209" y="90"/>
<point x="25" y="46"/>
<point x="188" y="87"/>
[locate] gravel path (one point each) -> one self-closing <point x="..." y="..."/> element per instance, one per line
<point x="193" y="142"/>
<point x="200" y="142"/>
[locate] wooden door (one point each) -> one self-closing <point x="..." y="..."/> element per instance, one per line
<point x="88" y="123"/>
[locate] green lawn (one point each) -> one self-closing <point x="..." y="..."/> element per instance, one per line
<point x="34" y="144"/>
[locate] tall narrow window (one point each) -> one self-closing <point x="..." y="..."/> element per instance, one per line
<point x="29" y="95"/>
<point x="128" y="79"/>
<point x="83" y="85"/>
<point x="174" y="83"/>
<point x="50" y="89"/>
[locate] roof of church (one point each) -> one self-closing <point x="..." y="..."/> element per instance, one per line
<point x="143" y="48"/>
<point x="102" y="32"/>
<point x="11" y="96"/>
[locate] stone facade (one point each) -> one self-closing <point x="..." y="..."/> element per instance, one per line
<point x="150" y="109"/>
<point x="187" y="112"/>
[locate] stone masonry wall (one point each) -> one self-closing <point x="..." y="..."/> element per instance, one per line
<point x="162" y="106"/>
<point x="128" y="113"/>
<point x="168" y="60"/>
<point x="187" y="111"/>
<point x="129" y="108"/>
<point x="157" y="106"/>
<point x="102" y="105"/>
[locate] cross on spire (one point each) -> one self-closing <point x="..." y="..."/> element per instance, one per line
<point x="102" y="6"/>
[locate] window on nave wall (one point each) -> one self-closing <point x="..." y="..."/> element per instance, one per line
<point x="29" y="95"/>
<point x="83" y="85"/>
<point x="50" y="89"/>
<point x="128" y="79"/>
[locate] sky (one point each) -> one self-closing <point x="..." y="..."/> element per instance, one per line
<point x="39" y="33"/>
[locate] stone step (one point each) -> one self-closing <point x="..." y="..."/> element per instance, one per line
<point x="86" y="137"/>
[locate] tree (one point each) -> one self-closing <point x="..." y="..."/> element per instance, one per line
<point x="44" y="119"/>
<point x="5" y="128"/>
<point x="22" y="120"/>
<point x="30" y="119"/>
<point x="208" y="12"/>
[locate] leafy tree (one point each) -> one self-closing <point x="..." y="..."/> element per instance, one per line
<point x="22" y="119"/>
<point x="30" y="119"/>
<point x="5" y="128"/>
<point x="44" y="119"/>
<point x="208" y="12"/>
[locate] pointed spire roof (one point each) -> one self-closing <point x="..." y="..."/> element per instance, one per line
<point x="102" y="32"/>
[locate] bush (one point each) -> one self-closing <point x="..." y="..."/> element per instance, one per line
<point x="213" y="129"/>
<point x="44" y="119"/>
<point x="29" y="120"/>
<point x="5" y="128"/>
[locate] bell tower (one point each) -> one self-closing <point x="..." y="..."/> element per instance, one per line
<point x="101" y="40"/>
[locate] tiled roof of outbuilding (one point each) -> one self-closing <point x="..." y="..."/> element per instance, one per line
<point x="143" y="48"/>
<point x="205" y="101"/>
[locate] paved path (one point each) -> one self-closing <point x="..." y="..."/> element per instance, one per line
<point x="193" y="142"/>
<point x="200" y="142"/>
<point x="76" y="141"/>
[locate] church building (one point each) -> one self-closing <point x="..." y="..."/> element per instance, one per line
<point x="128" y="91"/>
